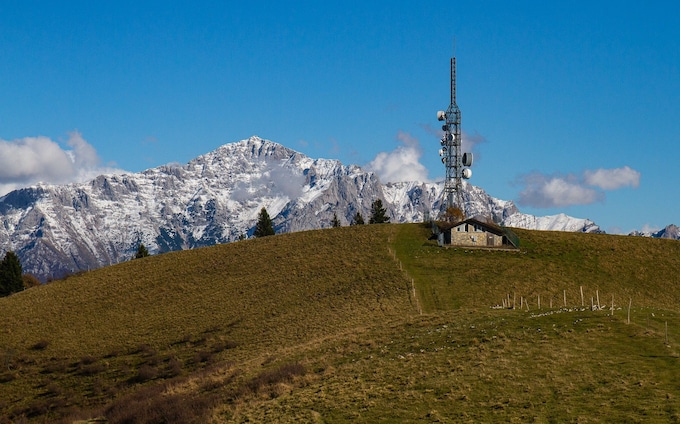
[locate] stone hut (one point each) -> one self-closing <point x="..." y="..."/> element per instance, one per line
<point x="476" y="233"/>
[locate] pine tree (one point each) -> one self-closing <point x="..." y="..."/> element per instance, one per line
<point x="335" y="222"/>
<point x="264" y="225"/>
<point x="10" y="275"/>
<point x="378" y="213"/>
<point x="358" y="219"/>
<point x="142" y="252"/>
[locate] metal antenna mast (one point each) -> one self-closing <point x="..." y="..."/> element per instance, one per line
<point x="453" y="159"/>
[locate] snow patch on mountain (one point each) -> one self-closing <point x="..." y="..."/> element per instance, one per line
<point x="559" y="222"/>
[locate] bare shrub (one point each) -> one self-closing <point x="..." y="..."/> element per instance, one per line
<point x="152" y="359"/>
<point x="89" y="366"/>
<point x="56" y="366"/>
<point x="97" y="387"/>
<point x="40" y="345"/>
<point x="223" y="345"/>
<point x="151" y="405"/>
<point x="174" y="367"/>
<point x="146" y="373"/>
<point x="202" y="356"/>
<point x="54" y="389"/>
<point x="92" y="369"/>
<point x="113" y="353"/>
<point x="145" y="349"/>
<point x="29" y="281"/>
<point x="87" y="360"/>
<point x="42" y="407"/>
<point x="284" y="373"/>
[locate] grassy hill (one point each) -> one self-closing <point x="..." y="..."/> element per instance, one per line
<point x="368" y="323"/>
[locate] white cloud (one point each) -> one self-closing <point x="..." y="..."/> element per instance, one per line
<point x="30" y="160"/>
<point x="32" y="156"/>
<point x="286" y="181"/>
<point x="650" y="229"/>
<point x="84" y="156"/>
<point x="274" y="180"/>
<point x="543" y="191"/>
<point x="402" y="163"/>
<point x="549" y="191"/>
<point x="612" y="179"/>
<point x="469" y="142"/>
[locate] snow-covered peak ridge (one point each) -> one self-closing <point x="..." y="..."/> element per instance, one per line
<point x="256" y="147"/>
<point x="669" y="232"/>
<point x="258" y="150"/>
<point x="253" y="148"/>
<point x="559" y="222"/>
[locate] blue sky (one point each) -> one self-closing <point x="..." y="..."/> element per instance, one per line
<point x="568" y="106"/>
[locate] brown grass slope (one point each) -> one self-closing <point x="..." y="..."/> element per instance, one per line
<point x="258" y="296"/>
<point x="321" y="326"/>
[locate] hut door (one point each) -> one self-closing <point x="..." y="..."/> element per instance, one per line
<point x="489" y="239"/>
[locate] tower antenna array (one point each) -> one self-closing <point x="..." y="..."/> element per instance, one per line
<point x="455" y="162"/>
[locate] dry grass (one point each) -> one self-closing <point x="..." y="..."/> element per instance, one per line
<point x="202" y="306"/>
<point x="488" y="367"/>
<point x="320" y="326"/>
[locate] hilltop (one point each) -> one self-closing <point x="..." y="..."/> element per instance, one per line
<point x="354" y="324"/>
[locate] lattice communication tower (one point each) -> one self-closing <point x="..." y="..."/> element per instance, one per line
<point x="454" y="160"/>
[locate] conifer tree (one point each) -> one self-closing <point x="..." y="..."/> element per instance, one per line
<point x="142" y="252"/>
<point x="358" y="219"/>
<point x="264" y="225"/>
<point x="10" y="275"/>
<point x="335" y="222"/>
<point x="378" y="213"/>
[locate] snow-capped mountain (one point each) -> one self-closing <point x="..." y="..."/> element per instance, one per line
<point x="215" y="198"/>
<point x="670" y="232"/>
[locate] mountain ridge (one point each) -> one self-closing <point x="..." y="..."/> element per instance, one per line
<point x="215" y="198"/>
